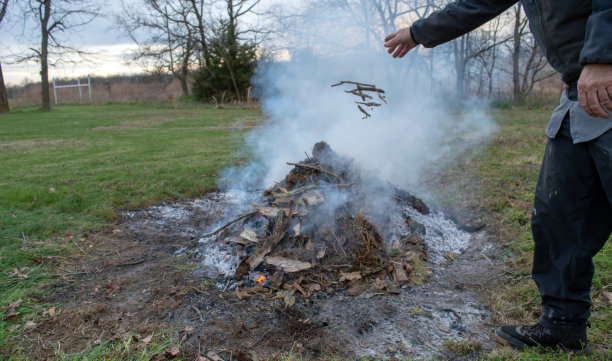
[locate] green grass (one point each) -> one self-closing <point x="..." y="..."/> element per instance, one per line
<point x="73" y="169"/>
<point x="500" y="179"/>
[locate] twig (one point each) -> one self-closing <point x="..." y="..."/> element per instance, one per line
<point x="367" y="115"/>
<point x="494" y="266"/>
<point x="198" y="312"/>
<point x="230" y="223"/>
<point x="132" y="263"/>
<point x="306" y="188"/>
<point x="371" y="104"/>
<point x="301" y="165"/>
<point x="353" y="82"/>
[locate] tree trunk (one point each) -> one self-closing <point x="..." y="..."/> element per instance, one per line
<point x="44" y="53"/>
<point x="460" y="64"/>
<point x="516" y="76"/>
<point x="4" y="105"/>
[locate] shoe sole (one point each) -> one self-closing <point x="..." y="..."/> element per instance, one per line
<point x="507" y="340"/>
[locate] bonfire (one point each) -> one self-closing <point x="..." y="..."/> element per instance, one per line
<point x="317" y="230"/>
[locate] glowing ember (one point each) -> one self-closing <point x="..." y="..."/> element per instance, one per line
<point x="261" y="279"/>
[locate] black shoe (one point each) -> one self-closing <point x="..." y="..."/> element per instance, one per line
<point x="569" y="338"/>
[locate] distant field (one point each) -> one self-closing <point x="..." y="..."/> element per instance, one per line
<point x="75" y="168"/>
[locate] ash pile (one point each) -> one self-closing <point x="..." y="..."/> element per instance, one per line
<point x="327" y="226"/>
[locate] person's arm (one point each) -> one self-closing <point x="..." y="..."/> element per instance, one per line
<point x="595" y="83"/>
<point x="454" y="20"/>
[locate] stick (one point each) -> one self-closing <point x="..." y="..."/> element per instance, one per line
<point x="230" y="223"/>
<point x="367" y="115"/>
<point x="306" y="188"/>
<point x="132" y="263"/>
<point x="372" y="104"/>
<point x="353" y="82"/>
<point x="198" y="312"/>
<point x="255" y="259"/>
<point x="494" y="266"/>
<point x="314" y="168"/>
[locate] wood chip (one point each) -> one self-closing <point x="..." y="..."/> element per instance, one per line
<point x="312" y="197"/>
<point x="351" y="276"/>
<point x="249" y="235"/>
<point x="400" y="274"/>
<point x="297" y="229"/>
<point x="267" y="211"/>
<point x="288" y="265"/>
<point x="239" y="240"/>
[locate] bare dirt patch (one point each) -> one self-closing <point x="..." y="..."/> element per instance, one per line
<point x="148" y="275"/>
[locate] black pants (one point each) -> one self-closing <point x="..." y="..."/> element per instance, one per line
<point x="571" y="222"/>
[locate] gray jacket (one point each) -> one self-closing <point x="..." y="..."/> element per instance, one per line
<point x="571" y="34"/>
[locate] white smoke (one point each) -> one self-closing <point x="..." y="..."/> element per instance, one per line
<point x="415" y="129"/>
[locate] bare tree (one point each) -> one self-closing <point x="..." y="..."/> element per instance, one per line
<point x="529" y="64"/>
<point x="55" y="20"/>
<point x="467" y="48"/>
<point x="4" y="105"/>
<point x="171" y="36"/>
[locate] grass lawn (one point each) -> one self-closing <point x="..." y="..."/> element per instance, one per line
<point x="72" y="169"/>
<point x="75" y="168"/>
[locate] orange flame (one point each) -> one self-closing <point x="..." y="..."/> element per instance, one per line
<point x="260" y="280"/>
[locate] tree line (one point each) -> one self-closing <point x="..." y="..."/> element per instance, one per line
<point x="211" y="48"/>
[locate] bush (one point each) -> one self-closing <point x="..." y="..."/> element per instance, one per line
<point x="229" y="67"/>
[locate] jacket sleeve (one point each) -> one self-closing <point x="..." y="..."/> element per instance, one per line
<point x="597" y="47"/>
<point x="456" y="19"/>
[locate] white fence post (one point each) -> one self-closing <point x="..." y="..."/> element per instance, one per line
<point x="89" y="86"/>
<point x="80" y="92"/>
<point x="54" y="92"/>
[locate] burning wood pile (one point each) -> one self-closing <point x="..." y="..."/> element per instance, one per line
<point x="315" y="231"/>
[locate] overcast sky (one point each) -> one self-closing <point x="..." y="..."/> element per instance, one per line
<point x="101" y="37"/>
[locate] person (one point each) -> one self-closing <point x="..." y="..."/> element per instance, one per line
<point x="572" y="212"/>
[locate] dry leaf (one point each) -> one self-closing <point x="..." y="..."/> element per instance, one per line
<point x="29" y="325"/>
<point x="351" y="276"/>
<point x="608" y="296"/>
<point x="189" y="329"/>
<point x="15" y="304"/>
<point x="321" y="253"/>
<point x="201" y="358"/>
<point x="147" y="339"/>
<point x="288" y="265"/>
<point x="10" y="314"/>
<point x="213" y="356"/>
<point x="51" y="311"/>
<point x="110" y="289"/>
<point x="174" y="350"/>
<point x="313" y="287"/>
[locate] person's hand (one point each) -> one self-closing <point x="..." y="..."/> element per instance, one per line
<point x="595" y="89"/>
<point x="400" y="42"/>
